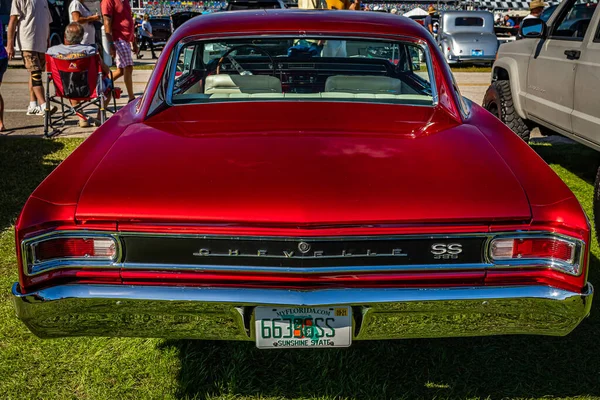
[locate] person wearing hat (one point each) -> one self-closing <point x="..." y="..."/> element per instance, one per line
<point x="428" y="21"/>
<point x="535" y="9"/>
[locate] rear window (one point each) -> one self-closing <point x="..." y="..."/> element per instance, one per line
<point x="303" y="69"/>
<point x="468" y="21"/>
<point x="161" y="23"/>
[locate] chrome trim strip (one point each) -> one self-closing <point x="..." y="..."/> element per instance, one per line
<point x="307" y="270"/>
<point x="223" y="313"/>
<point x="487" y="262"/>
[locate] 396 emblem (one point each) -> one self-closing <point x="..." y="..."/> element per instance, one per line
<point x="446" y="251"/>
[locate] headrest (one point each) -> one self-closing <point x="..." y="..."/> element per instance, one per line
<point x="241" y="84"/>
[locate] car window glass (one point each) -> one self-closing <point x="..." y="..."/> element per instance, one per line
<point x="574" y="20"/>
<point x="468" y="21"/>
<point x="160" y="24"/>
<point x="334" y="69"/>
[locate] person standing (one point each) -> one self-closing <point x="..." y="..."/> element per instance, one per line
<point x="429" y="20"/>
<point x="355" y="5"/>
<point x="119" y="28"/>
<point x="78" y="12"/>
<point x="33" y="19"/>
<point x="536" y="7"/>
<point x="3" y="67"/>
<point x="147" y="36"/>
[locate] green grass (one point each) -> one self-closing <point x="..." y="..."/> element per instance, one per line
<point x="101" y="368"/>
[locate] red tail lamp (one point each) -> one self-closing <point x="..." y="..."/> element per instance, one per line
<point x="561" y="253"/>
<point x="102" y="248"/>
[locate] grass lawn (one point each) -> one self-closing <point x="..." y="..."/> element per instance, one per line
<point x="102" y="368"/>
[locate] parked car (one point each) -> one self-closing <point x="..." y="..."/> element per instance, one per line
<point x="238" y="5"/>
<point x="252" y="196"/>
<point x="550" y="79"/>
<point x="161" y="30"/>
<point x="468" y="36"/>
<point x="178" y="19"/>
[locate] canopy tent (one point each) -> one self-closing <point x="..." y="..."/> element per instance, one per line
<point x="415" y="12"/>
<point x="507" y="5"/>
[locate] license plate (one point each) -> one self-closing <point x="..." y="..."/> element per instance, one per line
<point x="303" y="327"/>
<point x="476" y="52"/>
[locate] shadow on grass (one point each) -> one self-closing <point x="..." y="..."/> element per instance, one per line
<point x="23" y="165"/>
<point x="485" y="367"/>
<point x="577" y="158"/>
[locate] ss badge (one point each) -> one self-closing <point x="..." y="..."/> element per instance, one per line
<point x="443" y="251"/>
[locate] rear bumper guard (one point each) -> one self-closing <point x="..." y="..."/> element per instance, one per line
<point x="227" y="313"/>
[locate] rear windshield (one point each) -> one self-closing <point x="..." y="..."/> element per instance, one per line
<point x="160" y="23"/>
<point x="311" y="69"/>
<point x="468" y="21"/>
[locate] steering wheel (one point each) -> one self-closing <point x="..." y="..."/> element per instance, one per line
<point x="236" y="65"/>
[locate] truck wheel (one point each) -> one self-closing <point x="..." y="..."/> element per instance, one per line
<point x="498" y="100"/>
<point x="596" y="205"/>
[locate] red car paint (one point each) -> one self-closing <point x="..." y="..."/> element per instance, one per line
<point x="258" y="169"/>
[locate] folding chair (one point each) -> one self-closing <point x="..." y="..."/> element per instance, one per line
<point x="75" y="79"/>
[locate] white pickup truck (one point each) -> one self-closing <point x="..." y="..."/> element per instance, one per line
<point x="551" y="78"/>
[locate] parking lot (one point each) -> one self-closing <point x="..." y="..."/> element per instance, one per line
<point x="14" y="89"/>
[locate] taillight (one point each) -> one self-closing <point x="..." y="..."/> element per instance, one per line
<point x="44" y="253"/>
<point x="97" y="248"/>
<point x="557" y="252"/>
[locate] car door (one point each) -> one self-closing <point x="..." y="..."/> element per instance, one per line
<point x="586" y="110"/>
<point x="552" y="67"/>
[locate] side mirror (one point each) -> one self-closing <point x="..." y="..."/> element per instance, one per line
<point x="532" y="28"/>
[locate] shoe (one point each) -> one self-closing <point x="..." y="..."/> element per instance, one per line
<point x="83" y="124"/>
<point x="31" y="110"/>
<point x="140" y="56"/>
<point x="52" y="110"/>
<point x="37" y="110"/>
<point x="154" y="57"/>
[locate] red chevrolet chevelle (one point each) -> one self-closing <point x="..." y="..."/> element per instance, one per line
<point x="302" y="179"/>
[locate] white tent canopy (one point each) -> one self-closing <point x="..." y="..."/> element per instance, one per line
<point x="415" y="11"/>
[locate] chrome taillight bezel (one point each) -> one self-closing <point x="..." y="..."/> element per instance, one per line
<point x="573" y="266"/>
<point x="32" y="266"/>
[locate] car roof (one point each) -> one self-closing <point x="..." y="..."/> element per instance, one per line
<point x="295" y="21"/>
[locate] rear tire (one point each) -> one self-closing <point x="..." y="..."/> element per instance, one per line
<point x="498" y="100"/>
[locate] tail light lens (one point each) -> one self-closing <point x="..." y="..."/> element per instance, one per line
<point x="560" y="253"/>
<point x="45" y="253"/>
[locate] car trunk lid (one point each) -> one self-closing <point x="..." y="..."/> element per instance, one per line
<point x="412" y="166"/>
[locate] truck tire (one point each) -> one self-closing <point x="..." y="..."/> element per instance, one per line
<point x="498" y="100"/>
<point x="596" y="204"/>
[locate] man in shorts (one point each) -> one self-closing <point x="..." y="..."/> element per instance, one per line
<point x="31" y="19"/>
<point x="119" y="28"/>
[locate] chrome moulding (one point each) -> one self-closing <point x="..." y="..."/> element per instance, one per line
<point x="227" y="313"/>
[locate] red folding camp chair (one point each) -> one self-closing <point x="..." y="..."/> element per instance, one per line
<point x="76" y="79"/>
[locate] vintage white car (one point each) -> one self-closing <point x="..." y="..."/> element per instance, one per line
<point x="468" y="36"/>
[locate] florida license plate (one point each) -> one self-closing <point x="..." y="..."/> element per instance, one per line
<point x="476" y="52"/>
<point x="303" y="327"/>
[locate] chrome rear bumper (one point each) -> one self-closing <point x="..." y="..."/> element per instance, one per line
<point x="227" y="313"/>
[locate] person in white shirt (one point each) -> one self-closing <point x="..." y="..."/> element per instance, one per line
<point x="78" y="12"/>
<point x="30" y="22"/>
<point x="147" y="35"/>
